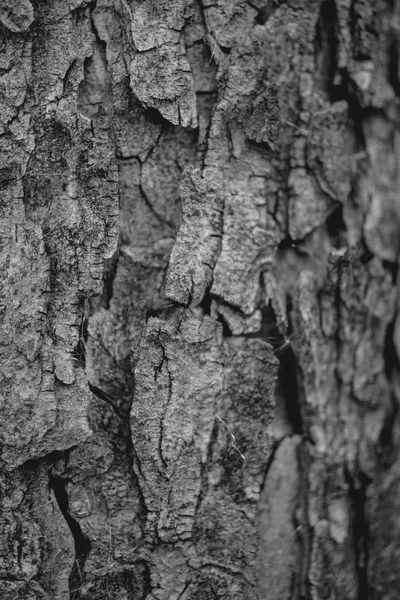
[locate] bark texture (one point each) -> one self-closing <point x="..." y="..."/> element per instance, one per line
<point x="200" y="337"/>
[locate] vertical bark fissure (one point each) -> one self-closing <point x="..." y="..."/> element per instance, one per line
<point x="103" y="396"/>
<point x="361" y="532"/>
<point x="79" y="352"/>
<point x="82" y="543"/>
<point x="326" y="46"/>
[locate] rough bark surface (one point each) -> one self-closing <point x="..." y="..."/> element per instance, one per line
<point x="200" y="338"/>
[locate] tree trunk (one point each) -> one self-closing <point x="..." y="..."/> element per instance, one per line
<point x="200" y="350"/>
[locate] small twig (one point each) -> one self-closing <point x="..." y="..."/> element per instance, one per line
<point x="215" y="47"/>
<point x="303" y="131"/>
<point x="281" y="349"/>
<point x="233" y="439"/>
<point x="219" y="378"/>
<point x="52" y="560"/>
<point x="79" y="589"/>
<point x="35" y="507"/>
<point x="79" y="570"/>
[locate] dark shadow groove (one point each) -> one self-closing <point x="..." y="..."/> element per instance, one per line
<point x="326" y="47"/>
<point x="82" y="543"/>
<point x="360" y="526"/>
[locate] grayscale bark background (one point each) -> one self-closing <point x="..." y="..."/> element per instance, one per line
<point x="199" y="225"/>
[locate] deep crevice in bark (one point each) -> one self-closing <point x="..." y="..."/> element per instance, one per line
<point x="337" y="227"/>
<point x="79" y="352"/>
<point x="205" y="304"/>
<point x="393" y="269"/>
<point x="271" y="458"/>
<point x="393" y="68"/>
<point x="366" y="255"/>
<point x="326" y="47"/>
<point x="155" y="117"/>
<point x="109" y="273"/>
<point x="387" y="445"/>
<point x="361" y="532"/>
<point x="82" y="543"/>
<point x="103" y="396"/>
<point x="287" y="378"/>
<point x="287" y="384"/>
<point x="346" y="90"/>
<point x="390" y="354"/>
<point x="264" y="12"/>
<point x="226" y="330"/>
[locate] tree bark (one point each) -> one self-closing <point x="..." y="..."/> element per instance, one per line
<point x="200" y="338"/>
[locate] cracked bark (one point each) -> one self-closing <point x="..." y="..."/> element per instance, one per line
<point x="200" y="338"/>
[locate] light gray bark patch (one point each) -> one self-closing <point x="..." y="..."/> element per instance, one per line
<point x="247" y="112"/>
<point x="328" y="151"/>
<point x="172" y="416"/>
<point x="37" y="548"/>
<point x="16" y="15"/>
<point x="201" y="408"/>
<point x="35" y="408"/>
<point x="321" y="173"/>
<point x="379" y="189"/>
<point x="196" y="249"/>
<point x="345" y="348"/>
<point x="160" y="178"/>
<point x="156" y="46"/>
<point x="308" y="205"/>
<point x="19" y="550"/>
<point x="61" y="215"/>
<point x="333" y="572"/>
<point x="229" y="22"/>
<point x="263" y="122"/>
<point x="116" y="581"/>
<point x="227" y="514"/>
<point x="249" y="379"/>
<point x="333" y="561"/>
<point x="279" y="552"/>
<point x="93" y="88"/>
<point x="171" y="91"/>
<point x="249" y="238"/>
<point x="340" y="351"/>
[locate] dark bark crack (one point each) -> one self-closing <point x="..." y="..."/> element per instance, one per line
<point x="79" y="352"/>
<point x="154" y="212"/>
<point x="265" y="11"/>
<point x="82" y="543"/>
<point x="103" y="396"/>
<point x="287" y="382"/>
<point x="361" y="533"/>
<point x="326" y="47"/>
